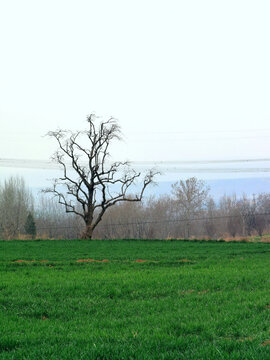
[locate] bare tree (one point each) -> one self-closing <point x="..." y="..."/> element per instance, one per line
<point x="263" y="210"/>
<point x="90" y="185"/>
<point x="16" y="201"/>
<point x="191" y="196"/>
<point x="209" y="224"/>
<point x="247" y="208"/>
<point x="232" y="221"/>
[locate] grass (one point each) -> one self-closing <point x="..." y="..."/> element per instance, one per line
<point x="189" y="300"/>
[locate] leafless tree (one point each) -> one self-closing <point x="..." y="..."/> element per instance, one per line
<point x="90" y="185"/>
<point x="247" y="209"/>
<point x="16" y="201"/>
<point x="232" y="221"/>
<point x="191" y="196"/>
<point x="263" y="211"/>
<point x="209" y="223"/>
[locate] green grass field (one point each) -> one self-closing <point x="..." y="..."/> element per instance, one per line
<point x="189" y="300"/>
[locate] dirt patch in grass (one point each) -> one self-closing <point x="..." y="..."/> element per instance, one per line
<point x="185" y="260"/>
<point x="190" y="291"/>
<point x="92" y="260"/>
<point x="203" y="292"/>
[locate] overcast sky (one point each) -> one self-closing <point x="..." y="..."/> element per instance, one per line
<point x="187" y="80"/>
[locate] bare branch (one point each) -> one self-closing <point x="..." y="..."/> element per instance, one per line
<point x="87" y="177"/>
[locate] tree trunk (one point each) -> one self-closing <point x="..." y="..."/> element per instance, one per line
<point x="187" y="232"/>
<point x="88" y="232"/>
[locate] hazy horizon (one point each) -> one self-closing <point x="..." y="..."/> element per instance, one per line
<point x="230" y="176"/>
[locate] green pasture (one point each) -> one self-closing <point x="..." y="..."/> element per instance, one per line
<point x="150" y="300"/>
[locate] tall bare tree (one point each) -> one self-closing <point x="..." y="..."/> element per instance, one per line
<point x="247" y="209"/>
<point x="16" y="201"/>
<point x="191" y="196"/>
<point x="263" y="207"/>
<point x="232" y="221"/>
<point x="210" y="213"/>
<point x="90" y="184"/>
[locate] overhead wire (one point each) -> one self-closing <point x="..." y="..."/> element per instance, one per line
<point x="158" y="221"/>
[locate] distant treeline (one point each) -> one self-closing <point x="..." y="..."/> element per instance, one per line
<point x="187" y="212"/>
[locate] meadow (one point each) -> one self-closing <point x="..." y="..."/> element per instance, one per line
<point x="125" y="299"/>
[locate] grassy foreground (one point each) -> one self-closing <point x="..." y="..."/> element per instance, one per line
<point x="189" y="300"/>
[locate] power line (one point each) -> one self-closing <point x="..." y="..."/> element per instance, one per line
<point x="159" y="221"/>
<point x="202" y="166"/>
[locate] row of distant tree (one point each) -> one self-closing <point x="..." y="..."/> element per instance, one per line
<point x="96" y="197"/>
<point x="188" y="211"/>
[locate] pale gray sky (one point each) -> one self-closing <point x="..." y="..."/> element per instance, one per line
<point x="188" y="80"/>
